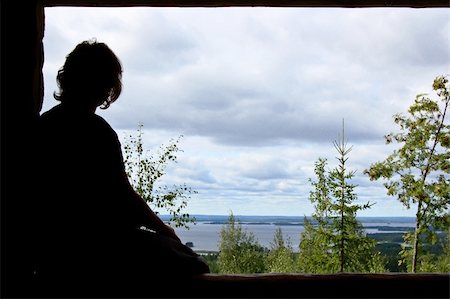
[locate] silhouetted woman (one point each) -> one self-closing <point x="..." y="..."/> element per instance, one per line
<point x="88" y="217"/>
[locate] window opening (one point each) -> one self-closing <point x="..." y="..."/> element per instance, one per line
<point x="259" y="94"/>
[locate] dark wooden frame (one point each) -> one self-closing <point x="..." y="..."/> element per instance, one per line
<point x="274" y="3"/>
<point x="22" y="56"/>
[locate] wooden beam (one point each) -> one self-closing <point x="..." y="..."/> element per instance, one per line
<point x="341" y="285"/>
<point x="344" y="285"/>
<point x="251" y="3"/>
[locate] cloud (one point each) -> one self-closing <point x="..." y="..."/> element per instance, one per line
<point x="260" y="83"/>
<point x="161" y="47"/>
<point x="260" y="93"/>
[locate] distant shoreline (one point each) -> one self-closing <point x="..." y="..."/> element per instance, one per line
<point x="282" y="216"/>
<point x="205" y="234"/>
<point x="286" y="220"/>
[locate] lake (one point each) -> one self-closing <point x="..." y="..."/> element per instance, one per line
<point x="205" y="235"/>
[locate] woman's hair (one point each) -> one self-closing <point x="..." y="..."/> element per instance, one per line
<point x="92" y="73"/>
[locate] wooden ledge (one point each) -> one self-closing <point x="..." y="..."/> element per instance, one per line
<point x="324" y="277"/>
<point x="344" y="285"/>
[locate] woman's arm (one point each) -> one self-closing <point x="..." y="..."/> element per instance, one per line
<point x="146" y="217"/>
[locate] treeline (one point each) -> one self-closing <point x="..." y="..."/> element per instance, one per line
<point x="240" y="252"/>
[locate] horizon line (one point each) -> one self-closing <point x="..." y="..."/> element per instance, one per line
<point x="193" y="215"/>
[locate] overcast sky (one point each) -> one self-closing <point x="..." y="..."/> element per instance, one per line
<point x="259" y="94"/>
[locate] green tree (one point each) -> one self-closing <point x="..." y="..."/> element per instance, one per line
<point x="417" y="172"/>
<point x="144" y="171"/>
<point x="443" y="261"/>
<point x="315" y="251"/>
<point x="281" y="256"/>
<point x="239" y="251"/>
<point x="435" y="257"/>
<point x="212" y="260"/>
<point x="316" y="254"/>
<point x="337" y="242"/>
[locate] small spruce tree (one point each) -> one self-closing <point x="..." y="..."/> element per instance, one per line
<point x="337" y="243"/>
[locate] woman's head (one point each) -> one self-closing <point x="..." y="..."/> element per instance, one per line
<point x="90" y="76"/>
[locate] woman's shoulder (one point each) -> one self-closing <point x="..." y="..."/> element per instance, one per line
<point x="102" y="125"/>
<point x="60" y="113"/>
<point x="101" y="122"/>
<point x="89" y="124"/>
<point x="52" y="113"/>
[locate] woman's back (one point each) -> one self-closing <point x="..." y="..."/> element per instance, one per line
<point x="87" y="217"/>
<point x="81" y="207"/>
<point x="80" y="165"/>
